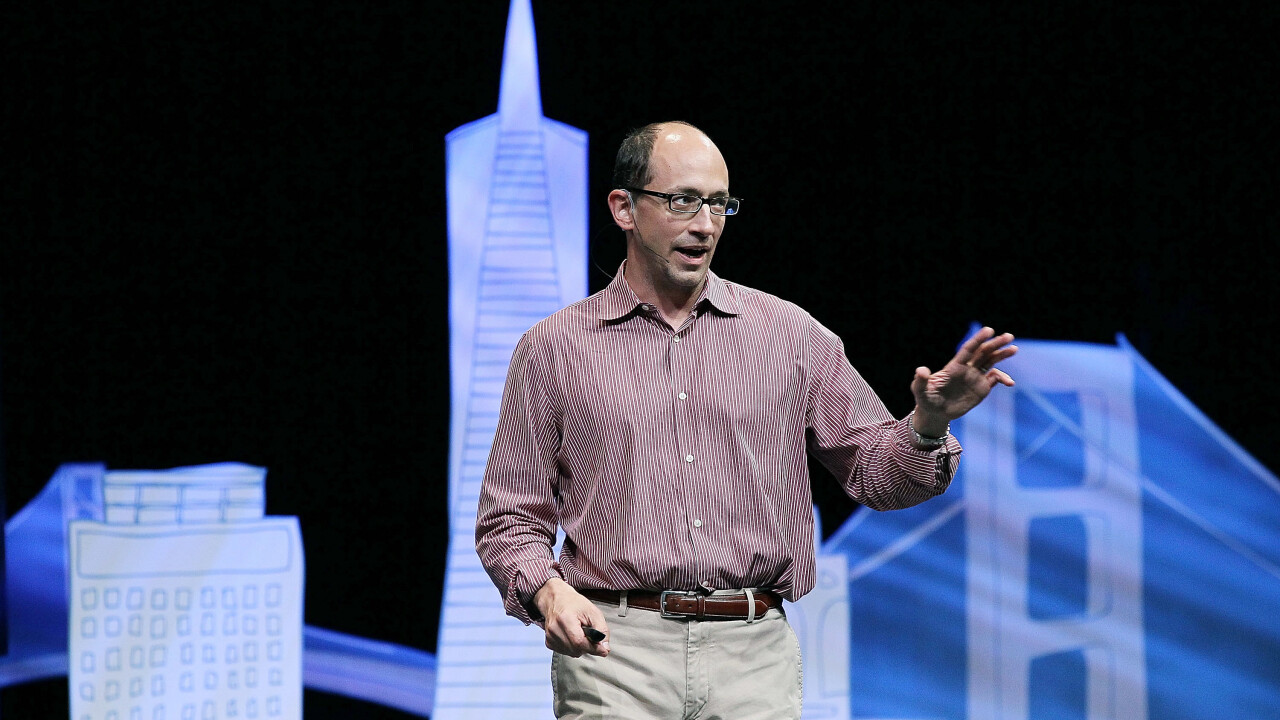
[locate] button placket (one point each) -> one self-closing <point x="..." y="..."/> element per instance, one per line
<point x="681" y="365"/>
<point x="684" y="367"/>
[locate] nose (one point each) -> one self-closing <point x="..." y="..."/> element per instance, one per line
<point x="703" y="222"/>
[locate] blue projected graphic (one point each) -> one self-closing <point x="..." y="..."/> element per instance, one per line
<point x="1105" y="552"/>
<point x="123" y="571"/>
<point x="517" y="186"/>
<point x="158" y="593"/>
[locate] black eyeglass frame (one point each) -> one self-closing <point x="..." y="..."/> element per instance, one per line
<point x="737" y="202"/>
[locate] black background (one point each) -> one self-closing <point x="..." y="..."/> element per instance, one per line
<point x="224" y="227"/>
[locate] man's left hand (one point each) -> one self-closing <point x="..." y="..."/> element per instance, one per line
<point x="963" y="383"/>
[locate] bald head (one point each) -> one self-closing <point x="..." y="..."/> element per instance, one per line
<point x="633" y="166"/>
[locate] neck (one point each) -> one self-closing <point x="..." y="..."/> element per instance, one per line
<point x="673" y="302"/>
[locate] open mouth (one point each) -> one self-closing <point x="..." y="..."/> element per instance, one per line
<point x="693" y="253"/>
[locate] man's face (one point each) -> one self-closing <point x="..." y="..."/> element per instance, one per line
<point x="677" y="247"/>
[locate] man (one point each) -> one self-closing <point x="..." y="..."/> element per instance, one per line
<point x="663" y="424"/>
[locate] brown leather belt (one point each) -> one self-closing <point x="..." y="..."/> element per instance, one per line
<point x="692" y="604"/>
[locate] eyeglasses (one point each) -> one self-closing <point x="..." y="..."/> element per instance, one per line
<point x="681" y="203"/>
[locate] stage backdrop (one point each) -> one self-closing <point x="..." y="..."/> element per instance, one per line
<point x="1095" y="512"/>
<point x="1106" y="552"/>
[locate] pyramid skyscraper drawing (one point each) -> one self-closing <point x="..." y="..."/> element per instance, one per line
<point x="517" y="187"/>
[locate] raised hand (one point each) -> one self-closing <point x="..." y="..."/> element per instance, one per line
<point x="963" y="382"/>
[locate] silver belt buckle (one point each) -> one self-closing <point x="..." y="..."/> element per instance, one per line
<point x="662" y="602"/>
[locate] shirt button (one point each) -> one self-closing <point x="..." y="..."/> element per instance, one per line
<point x="675" y="339"/>
<point x="697" y="523"/>
<point x="688" y="458"/>
<point x="683" y="396"/>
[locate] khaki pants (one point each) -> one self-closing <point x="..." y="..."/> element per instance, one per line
<point x="665" y="669"/>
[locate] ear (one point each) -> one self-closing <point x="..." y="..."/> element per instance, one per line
<point x="620" y="206"/>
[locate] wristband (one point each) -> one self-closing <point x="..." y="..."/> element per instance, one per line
<point x="923" y="441"/>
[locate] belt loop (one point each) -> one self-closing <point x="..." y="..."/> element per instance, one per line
<point x="622" y="603"/>
<point x="751" y="605"/>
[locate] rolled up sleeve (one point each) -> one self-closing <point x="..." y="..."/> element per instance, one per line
<point x="856" y="438"/>
<point x="516" y="519"/>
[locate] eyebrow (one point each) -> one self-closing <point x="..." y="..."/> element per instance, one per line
<point x="696" y="193"/>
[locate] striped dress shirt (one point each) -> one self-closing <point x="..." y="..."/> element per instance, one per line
<point x="676" y="460"/>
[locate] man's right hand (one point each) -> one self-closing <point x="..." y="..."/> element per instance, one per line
<point x="565" y="612"/>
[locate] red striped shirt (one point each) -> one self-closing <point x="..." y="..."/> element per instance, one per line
<point x="676" y="460"/>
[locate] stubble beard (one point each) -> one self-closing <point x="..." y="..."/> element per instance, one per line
<point x="686" y="280"/>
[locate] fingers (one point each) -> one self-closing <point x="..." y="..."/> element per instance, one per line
<point x="985" y="349"/>
<point x="921" y="378"/>
<point x="997" y="376"/>
<point x="566" y="630"/>
<point x="920" y="382"/>
<point x="560" y="640"/>
<point x="597" y="622"/>
<point x="565" y="636"/>
<point x="970" y="347"/>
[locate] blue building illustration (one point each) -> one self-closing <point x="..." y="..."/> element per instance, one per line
<point x="517" y="187"/>
<point x="185" y="602"/>
<point x="1105" y="552"/>
<point x="821" y="623"/>
<point x="89" y="600"/>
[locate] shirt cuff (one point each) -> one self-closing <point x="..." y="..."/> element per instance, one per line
<point x="526" y="581"/>
<point x="935" y="466"/>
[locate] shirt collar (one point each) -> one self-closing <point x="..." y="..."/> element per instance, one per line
<point x="618" y="299"/>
